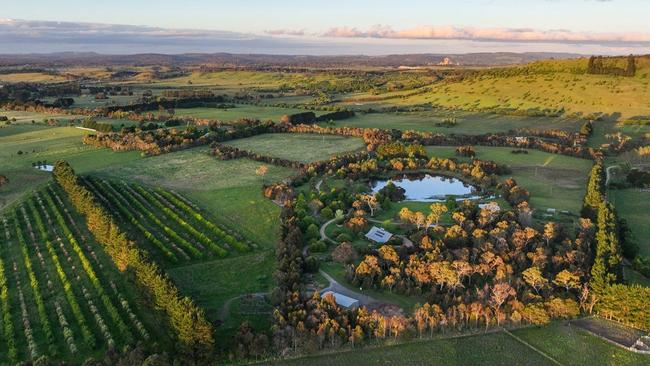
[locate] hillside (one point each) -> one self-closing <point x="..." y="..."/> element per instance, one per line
<point x="551" y="85"/>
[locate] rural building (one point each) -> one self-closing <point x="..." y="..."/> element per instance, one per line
<point x="492" y="206"/>
<point x="378" y="235"/>
<point x="343" y="301"/>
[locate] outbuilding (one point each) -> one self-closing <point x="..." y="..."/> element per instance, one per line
<point x="378" y="235"/>
<point x="343" y="301"/>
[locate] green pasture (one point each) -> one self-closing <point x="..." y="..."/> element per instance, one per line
<point x="633" y="205"/>
<point x="304" y="148"/>
<point x="238" y="112"/>
<point x="21" y="145"/>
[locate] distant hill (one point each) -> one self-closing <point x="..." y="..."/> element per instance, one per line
<point x="550" y="86"/>
<point x="250" y="60"/>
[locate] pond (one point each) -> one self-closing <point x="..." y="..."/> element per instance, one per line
<point x="429" y="188"/>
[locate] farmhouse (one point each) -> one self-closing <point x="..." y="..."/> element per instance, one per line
<point x="378" y="235"/>
<point x="342" y="300"/>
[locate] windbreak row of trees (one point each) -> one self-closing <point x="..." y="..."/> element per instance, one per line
<point x="624" y="303"/>
<point x="192" y="330"/>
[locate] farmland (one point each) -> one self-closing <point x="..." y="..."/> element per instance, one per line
<point x="210" y="229"/>
<point x="65" y="298"/>
<point x="560" y="342"/>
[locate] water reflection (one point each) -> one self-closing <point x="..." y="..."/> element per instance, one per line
<point x="429" y="188"/>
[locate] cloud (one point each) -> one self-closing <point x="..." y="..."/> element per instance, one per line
<point x="488" y="34"/>
<point x="286" y="32"/>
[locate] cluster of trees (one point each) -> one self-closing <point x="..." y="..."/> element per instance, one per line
<point x="163" y="140"/>
<point x="487" y="269"/>
<point x="227" y="152"/>
<point x="92" y="124"/>
<point x="191" y="328"/>
<point x="467" y="151"/>
<point x="552" y="141"/>
<point x="600" y="65"/>
<point x="617" y="301"/>
<point x="400" y="150"/>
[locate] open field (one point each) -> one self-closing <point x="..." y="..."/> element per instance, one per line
<point x="633" y="205"/>
<point x="24" y="145"/>
<point x="32" y="77"/>
<point x="240" y="111"/>
<point x="554" y="181"/>
<point x="66" y="298"/>
<point x="304" y="148"/>
<point x="467" y="122"/>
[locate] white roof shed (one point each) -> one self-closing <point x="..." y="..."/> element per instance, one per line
<point x="343" y="301"/>
<point x="378" y="235"/>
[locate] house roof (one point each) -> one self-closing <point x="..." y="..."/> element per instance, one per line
<point x="342" y="300"/>
<point x="378" y="235"/>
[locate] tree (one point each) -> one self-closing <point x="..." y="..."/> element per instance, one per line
<point x="437" y="209"/>
<point x="534" y="278"/>
<point x="261" y="171"/>
<point x="567" y="280"/>
<point x="371" y="201"/>
<point x="499" y="294"/>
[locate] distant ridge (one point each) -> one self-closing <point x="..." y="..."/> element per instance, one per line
<point x="243" y="60"/>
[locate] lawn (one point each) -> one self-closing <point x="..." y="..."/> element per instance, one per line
<point x="304" y="148"/>
<point x="634" y="206"/>
<point x="554" y="181"/>
<point x="24" y="144"/>
<point x="469" y="123"/>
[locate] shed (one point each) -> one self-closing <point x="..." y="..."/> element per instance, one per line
<point x="378" y="235"/>
<point x="342" y="300"/>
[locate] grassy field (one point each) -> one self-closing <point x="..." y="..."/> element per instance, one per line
<point x="212" y="283"/>
<point x="24" y="144"/>
<point x="304" y="148"/>
<point x="467" y="122"/>
<point x="31" y="77"/>
<point x="569" y="346"/>
<point x="575" y="92"/>
<point x="554" y="181"/>
<point x="634" y="206"/>
<point x="240" y="111"/>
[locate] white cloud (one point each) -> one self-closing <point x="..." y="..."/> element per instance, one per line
<point x="488" y="34"/>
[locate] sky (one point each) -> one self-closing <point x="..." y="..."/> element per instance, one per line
<point x="326" y="27"/>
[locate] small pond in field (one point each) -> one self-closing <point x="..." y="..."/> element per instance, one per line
<point x="429" y="188"/>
